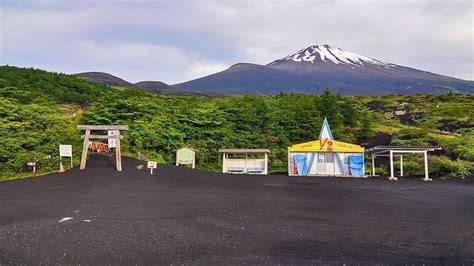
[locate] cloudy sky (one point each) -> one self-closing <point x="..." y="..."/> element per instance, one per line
<point x="176" y="41"/>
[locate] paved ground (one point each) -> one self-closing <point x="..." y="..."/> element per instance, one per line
<point x="186" y="216"/>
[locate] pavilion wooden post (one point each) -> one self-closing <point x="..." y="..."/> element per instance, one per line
<point x="85" y="148"/>
<point x="401" y="165"/>
<point x="373" y="165"/>
<point x="290" y="171"/>
<point x="392" y="176"/>
<point x="427" y="178"/>
<point x="118" y="153"/>
<point x="266" y="164"/>
<point x="223" y="163"/>
<point x="246" y="163"/>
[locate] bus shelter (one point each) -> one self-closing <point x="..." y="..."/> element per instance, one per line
<point x="245" y="161"/>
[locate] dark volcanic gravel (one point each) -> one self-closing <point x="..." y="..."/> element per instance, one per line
<point x="181" y="216"/>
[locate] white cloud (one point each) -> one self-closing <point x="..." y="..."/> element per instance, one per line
<point x="179" y="40"/>
<point x="138" y="61"/>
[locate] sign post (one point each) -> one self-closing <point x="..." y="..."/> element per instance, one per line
<point x="33" y="164"/>
<point x="186" y="156"/>
<point x="65" y="151"/>
<point x="111" y="139"/>
<point x="151" y="165"/>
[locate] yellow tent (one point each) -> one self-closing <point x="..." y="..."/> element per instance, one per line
<point x="326" y="145"/>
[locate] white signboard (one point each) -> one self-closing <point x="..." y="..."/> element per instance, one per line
<point x="111" y="143"/>
<point x="151" y="165"/>
<point x="111" y="133"/>
<point x="65" y="150"/>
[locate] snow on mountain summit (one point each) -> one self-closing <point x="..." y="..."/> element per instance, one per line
<point x="315" y="68"/>
<point x="330" y="54"/>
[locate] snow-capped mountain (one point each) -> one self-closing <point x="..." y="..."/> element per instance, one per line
<point x="328" y="53"/>
<point x="312" y="69"/>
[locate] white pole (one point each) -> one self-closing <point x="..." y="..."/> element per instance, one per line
<point x="290" y="170"/>
<point x="223" y="163"/>
<point x="194" y="160"/>
<point x="151" y="170"/>
<point x="245" y="163"/>
<point x="373" y="165"/>
<point x="401" y="165"/>
<point x="392" y="176"/>
<point x="266" y="164"/>
<point x="426" y="168"/>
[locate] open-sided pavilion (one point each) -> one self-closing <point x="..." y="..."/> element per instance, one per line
<point x="391" y="151"/>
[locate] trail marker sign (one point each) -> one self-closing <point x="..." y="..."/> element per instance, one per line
<point x="151" y="165"/>
<point x="65" y="151"/>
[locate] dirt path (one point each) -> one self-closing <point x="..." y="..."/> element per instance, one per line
<point x="187" y="216"/>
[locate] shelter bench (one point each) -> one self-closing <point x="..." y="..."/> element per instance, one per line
<point x="235" y="169"/>
<point x="255" y="170"/>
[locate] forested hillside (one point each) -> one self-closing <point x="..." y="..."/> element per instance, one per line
<point x="39" y="110"/>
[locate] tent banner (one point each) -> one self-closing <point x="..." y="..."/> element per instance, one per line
<point x="356" y="165"/>
<point x="326" y="145"/>
<point x="300" y="161"/>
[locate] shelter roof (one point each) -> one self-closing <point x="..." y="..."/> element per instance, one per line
<point x="244" y="150"/>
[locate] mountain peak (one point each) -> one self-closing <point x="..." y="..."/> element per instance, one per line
<point x="314" y="68"/>
<point x="329" y="54"/>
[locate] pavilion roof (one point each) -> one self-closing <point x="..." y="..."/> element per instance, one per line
<point x="386" y="148"/>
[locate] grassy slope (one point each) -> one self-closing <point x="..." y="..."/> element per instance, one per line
<point x="36" y="101"/>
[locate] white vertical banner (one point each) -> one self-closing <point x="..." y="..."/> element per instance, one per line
<point x="111" y="143"/>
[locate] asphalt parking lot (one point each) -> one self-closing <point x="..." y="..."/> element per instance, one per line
<point x="185" y="216"/>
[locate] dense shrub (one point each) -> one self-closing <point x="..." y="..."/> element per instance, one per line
<point x="443" y="167"/>
<point x="462" y="146"/>
<point x="29" y="131"/>
<point x="410" y="136"/>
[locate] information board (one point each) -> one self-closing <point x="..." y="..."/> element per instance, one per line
<point x="65" y="150"/>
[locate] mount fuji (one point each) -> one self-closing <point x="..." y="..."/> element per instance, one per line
<point x="317" y="67"/>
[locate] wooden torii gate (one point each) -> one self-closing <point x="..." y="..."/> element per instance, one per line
<point x="87" y="136"/>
